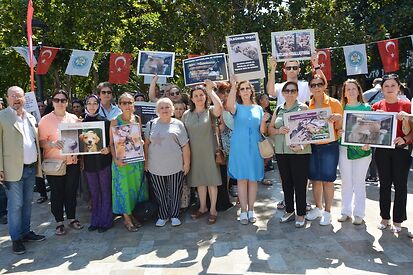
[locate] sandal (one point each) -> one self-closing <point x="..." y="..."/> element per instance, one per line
<point x="41" y="200"/>
<point x="267" y="182"/>
<point x="396" y="229"/>
<point x="383" y="226"/>
<point x="212" y="219"/>
<point x="75" y="224"/>
<point x="60" y="230"/>
<point x="130" y="227"/>
<point x="198" y="214"/>
<point x="281" y="205"/>
<point x="308" y="207"/>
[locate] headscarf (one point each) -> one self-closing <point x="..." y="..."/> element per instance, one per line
<point x="87" y="111"/>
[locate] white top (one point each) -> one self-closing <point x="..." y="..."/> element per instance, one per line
<point x="29" y="139"/>
<point x="303" y="92"/>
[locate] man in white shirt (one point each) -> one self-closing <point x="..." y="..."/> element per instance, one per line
<point x="19" y="164"/>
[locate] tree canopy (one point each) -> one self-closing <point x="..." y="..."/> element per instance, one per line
<point x="188" y="27"/>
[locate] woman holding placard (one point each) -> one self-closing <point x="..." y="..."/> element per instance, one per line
<point x="289" y="157"/>
<point x="394" y="164"/>
<point x="324" y="156"/>
<point x="354" y="160"/>
<point x="127" y="178"/>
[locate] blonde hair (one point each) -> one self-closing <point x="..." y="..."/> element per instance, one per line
<point x="125" y="95"/>
<point x="165" y="100"/>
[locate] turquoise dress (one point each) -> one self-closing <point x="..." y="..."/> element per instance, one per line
<point x="245" y="161"/>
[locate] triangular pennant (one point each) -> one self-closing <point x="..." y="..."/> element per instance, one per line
<point x="24" y="52"/>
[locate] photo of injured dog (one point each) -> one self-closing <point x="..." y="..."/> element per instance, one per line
<point x="156" y="63"/>
<point x="128" y="142"/>
<point x="375" y="128"/>
<point x="311" y="126"/>
<point x="82" y="138"/>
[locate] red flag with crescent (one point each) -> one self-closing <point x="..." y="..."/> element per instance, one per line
<point x="45" y="59"/>
<point x="389" y="53"/>
<point x="324" y="60"/>
<point x="119" y="67"/>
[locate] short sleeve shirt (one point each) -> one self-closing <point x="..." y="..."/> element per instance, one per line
<point x="400" y="105"/>
<point x="165" y="148"/>
<point x="303" y="92"/>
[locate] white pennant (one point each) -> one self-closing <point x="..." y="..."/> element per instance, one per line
<point x="80" y="63"/>
<point x="24" y="52"/>
<point x="356" y="59"/>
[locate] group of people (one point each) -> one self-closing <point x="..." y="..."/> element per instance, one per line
<point x="181" y="147"/>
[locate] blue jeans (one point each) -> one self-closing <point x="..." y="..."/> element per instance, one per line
<point x="19" y="203"/>
<point x="3" y="201"/>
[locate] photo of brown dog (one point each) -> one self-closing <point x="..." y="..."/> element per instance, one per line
<point x="90" y="141"/>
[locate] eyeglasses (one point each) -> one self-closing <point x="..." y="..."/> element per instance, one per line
<point x="61" y="100"/>
<point x="293" y="68"/>
<point x="290" y="91"/>
<point x="318" y="85"/>
<point x="390" y="76"/>
<point x="245" y="89"/>
<point x="174" y="93"/>
<point x="106" y="92"/>
<point x="126" y="103"/>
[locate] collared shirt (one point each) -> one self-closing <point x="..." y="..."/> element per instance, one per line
<point x="303" y="92"/>
<point x="110" y="114"/>
<point x="29" y="138"/>
<point x="335" y="107"/>
<point x="281" y="146"/>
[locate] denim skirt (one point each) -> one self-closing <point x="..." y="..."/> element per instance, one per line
<point x="323" y="162"/>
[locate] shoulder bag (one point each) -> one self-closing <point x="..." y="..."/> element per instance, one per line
<point x="54" y="167"/>
<point x="219" y="152"/>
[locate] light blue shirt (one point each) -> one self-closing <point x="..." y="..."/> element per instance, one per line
<point x="111" y="114"/>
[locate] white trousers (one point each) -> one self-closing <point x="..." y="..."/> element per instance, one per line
<point x="353" y="186"/>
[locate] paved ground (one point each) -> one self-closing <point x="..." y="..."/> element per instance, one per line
<point x="224" y="248"/>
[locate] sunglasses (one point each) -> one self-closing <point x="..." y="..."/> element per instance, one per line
<point x="390" y="76"/>
<point x="291" y="68"/>
<point x="290" y="91"/>
<point x="126" y="103"/>
<point x="61" y="100"/>
<point x="318" y="85"/>
<point x="174" y="93"/>
<point x="106" y="92"/>
<point x="245" y="89"/>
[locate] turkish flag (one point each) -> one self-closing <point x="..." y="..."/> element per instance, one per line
<point x="46" y="57"/>
<point x="389" y="53"/>
<point x="324" y="60"/>
<point x="119" y="68"/>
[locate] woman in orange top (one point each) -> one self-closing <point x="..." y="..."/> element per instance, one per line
<point x="324" y="157"/>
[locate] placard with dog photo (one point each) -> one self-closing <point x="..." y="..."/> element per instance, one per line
<point x="198" y="69"/>
<point x="245" y="58"/>
<point x="128" y="142"/>
<point x="310" y="126"/>
<point x="82" y="138"/>
<point x="375" y="128"/>
<point x="156" y="63"/>
<point x="293" y="45"/>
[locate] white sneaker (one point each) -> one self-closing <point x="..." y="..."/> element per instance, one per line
<point x="251" y="217"/>
<point x="343" y="218"/>
<point x="326" y="218"/>
<point x="314" y="214"/>
<point x="160" y="222"/>
<point x="243" y="218"/>
<point x="175" y="222"/>
<point x="357" y="220"/>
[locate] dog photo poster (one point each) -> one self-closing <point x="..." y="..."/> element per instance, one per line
<point x="200" y="68"/>
<point x="292" y="45"/>
<point x="310" y="126"/>
<point x="245" y="58"/>
<point x="82" y="138"/>
<point x="128" y="142"/>
<point x="375" y="128"/>
<point x="156" y="63"/>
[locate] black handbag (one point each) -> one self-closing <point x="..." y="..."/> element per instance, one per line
<point x="147" y="210"/>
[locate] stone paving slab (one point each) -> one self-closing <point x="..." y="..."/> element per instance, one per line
<point x="267" y="247"/>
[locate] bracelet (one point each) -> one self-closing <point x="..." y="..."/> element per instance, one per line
<point x="317" y="68"/>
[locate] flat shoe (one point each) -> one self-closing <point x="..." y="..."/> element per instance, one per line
<point x="382" y="226"/>
<point x="131" y="227"/>
<point x="396" y="229"/>
<point x="41" y="200"/>
<point x="299" y="224"/>
<point x="212" y="219"/>
<point x="60" y="230"/>
<point x="75" y="224"/>
<point x="267" y="182"/>
<point x="198" y="214"/>
<point x="287" y="217"/>
<point x="243" y="218"/>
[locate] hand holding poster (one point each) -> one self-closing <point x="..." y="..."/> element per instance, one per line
<point x="292" y="45"/>
<point x="156" y="63"/>
<point x="82" y="138"/>
<point x="199" y="69"/>
<point x="245" y="58"/>
<point x="310" y="126"/>
<point x="375" y="128"/>
<point x="128" y="142"/>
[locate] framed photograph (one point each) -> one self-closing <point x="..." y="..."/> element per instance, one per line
<point x="146" y="111"/>
<point x="375" y="128"/>
<point x="127" y="142"/>
<point x="292" y="45"/>
<point x="245" y="58"/>
<point x="156" y="63"/>
<point x="198" y="69"/>
<point x="82" y="138"/>
<point x="310" y="126"/>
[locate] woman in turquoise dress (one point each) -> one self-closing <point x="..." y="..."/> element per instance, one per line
<point x="245" y="162"/>
<point x="127" y="178"/>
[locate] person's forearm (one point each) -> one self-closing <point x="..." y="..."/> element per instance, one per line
<point x="186" y="154"/>
<point x="152" y="93"/>
<point x="271" y="84"/>
<point x="231" y="100"/>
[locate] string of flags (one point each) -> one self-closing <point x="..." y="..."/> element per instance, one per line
<point x="80" y="61"/>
